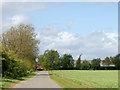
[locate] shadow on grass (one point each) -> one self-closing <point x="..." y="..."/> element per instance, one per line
<point x="26" y="76"/>
<point x="11" y="81"/>
<point x="7" y="82"/>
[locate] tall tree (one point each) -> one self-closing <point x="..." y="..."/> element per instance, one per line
<point x="116" y="60"/>
<point x="107" y="61"/>
<point x="85" y="65"/>
<point x="22" y="40"/>
<point x="78" y="63"/>
<point x="96" y="63"/>
<point x="67" y="61"/>
<point x="50" y="59"/>
<point x="41" y="59"/>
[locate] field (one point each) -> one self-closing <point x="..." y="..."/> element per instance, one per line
<point x="85" y="78"/>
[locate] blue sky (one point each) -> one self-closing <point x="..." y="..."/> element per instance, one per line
<point x="72" y="28"/>
<point x="85" y="17"/>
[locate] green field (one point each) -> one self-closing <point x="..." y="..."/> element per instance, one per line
<point x="85" y="78"/>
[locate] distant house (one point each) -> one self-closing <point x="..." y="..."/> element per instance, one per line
<point x="102" y="66"/>
<point x="107" y="67"/>
<point x="39" y="67"/>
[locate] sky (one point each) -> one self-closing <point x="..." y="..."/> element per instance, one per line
<point x="75" y="28"/>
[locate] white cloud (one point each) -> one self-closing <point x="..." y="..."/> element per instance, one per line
<point x="112" y="36"/>
<point x="69" y="24"/>
<point x="14" y="13"/>
<point x="16" y="20"/>
<point x="91" y="46"/>
<point x="12" y="8"/>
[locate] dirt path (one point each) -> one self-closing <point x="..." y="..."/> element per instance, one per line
<point x="41" y="80"/>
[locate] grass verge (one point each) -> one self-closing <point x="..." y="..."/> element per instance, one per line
<point x="9" y="83"/>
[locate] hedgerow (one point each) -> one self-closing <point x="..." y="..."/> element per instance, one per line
<point x="12" y="67"/>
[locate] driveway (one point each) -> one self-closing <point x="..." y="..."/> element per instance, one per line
<point x="41" y="80"/>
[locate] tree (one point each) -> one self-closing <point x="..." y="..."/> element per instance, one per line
<point x="41" y="59"/>
<point x="12" y="67"/>
<point x="85" y="65"/>
<point x="50" y="60"/>
<point x="96" y="63"/>
<point x="107" y="61"/>
<point x="67" y="62"/>
<point x="116" y="60"/>
<point x="22" y="40"/>
<point x="78" y="63"/>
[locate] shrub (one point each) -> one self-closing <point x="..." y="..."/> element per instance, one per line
<point x="12" y="67"/>
<point x="85" y="65"/>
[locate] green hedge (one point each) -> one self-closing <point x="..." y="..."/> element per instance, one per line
<point x="12" y="67"/>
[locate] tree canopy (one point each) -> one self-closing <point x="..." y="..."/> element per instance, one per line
<point x="19" y="50"/>
<point x="78" y="63"/>
<point x="85" y="65"/>
<point x="67" y="61"/>
<point x="50" y="59"/>
<point x="22" y="40"/>
<point x="96" y="63"/>
<point x="116" y="60"/>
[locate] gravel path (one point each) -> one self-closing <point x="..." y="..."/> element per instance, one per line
<point x="41" y="80"/>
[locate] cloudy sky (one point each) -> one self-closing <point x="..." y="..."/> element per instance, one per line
<point x="90" y="29"/>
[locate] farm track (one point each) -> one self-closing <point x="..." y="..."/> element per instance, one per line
<point x="41" y="80"/>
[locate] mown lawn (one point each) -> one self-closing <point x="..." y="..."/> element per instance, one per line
<point x="8" y="83"/>
<point x="85" y="78"/>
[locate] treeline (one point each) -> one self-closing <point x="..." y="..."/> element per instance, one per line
<point x="19" y="51"/>
<point x="51" y="60"/>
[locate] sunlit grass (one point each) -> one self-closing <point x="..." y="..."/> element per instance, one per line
<point x="85" y="78"/>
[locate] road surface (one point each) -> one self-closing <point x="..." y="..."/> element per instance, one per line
<point x="41" y="80"/>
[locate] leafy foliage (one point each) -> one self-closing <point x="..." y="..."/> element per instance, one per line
<point x="78" y="63"/>
<point x="12" y="67"/>
<point x="85" y="65"/>
<point x="96" y="63"/>
<point x="67" y="62"/>
<point x="116" y="60"/>
<point x="22" y="40"/>
<point x="50" y="60"/>
<point x="20" y="49"/>
<point x="107" y="61"/>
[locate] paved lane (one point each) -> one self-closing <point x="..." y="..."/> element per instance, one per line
<point x="41" y="80"/>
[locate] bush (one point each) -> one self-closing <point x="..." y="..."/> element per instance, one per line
<point x="12" y="67"/>
<point x="85" y="65"/>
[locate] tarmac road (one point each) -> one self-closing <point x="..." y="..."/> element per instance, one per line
<point x="41" y="80"/>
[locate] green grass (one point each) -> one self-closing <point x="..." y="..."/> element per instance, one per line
<point x="85" y="78"/>
<point x="8" y="83"/>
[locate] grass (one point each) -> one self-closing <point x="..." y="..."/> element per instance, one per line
<point x="8" y="83"/>
<point x="85" y="78"/>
